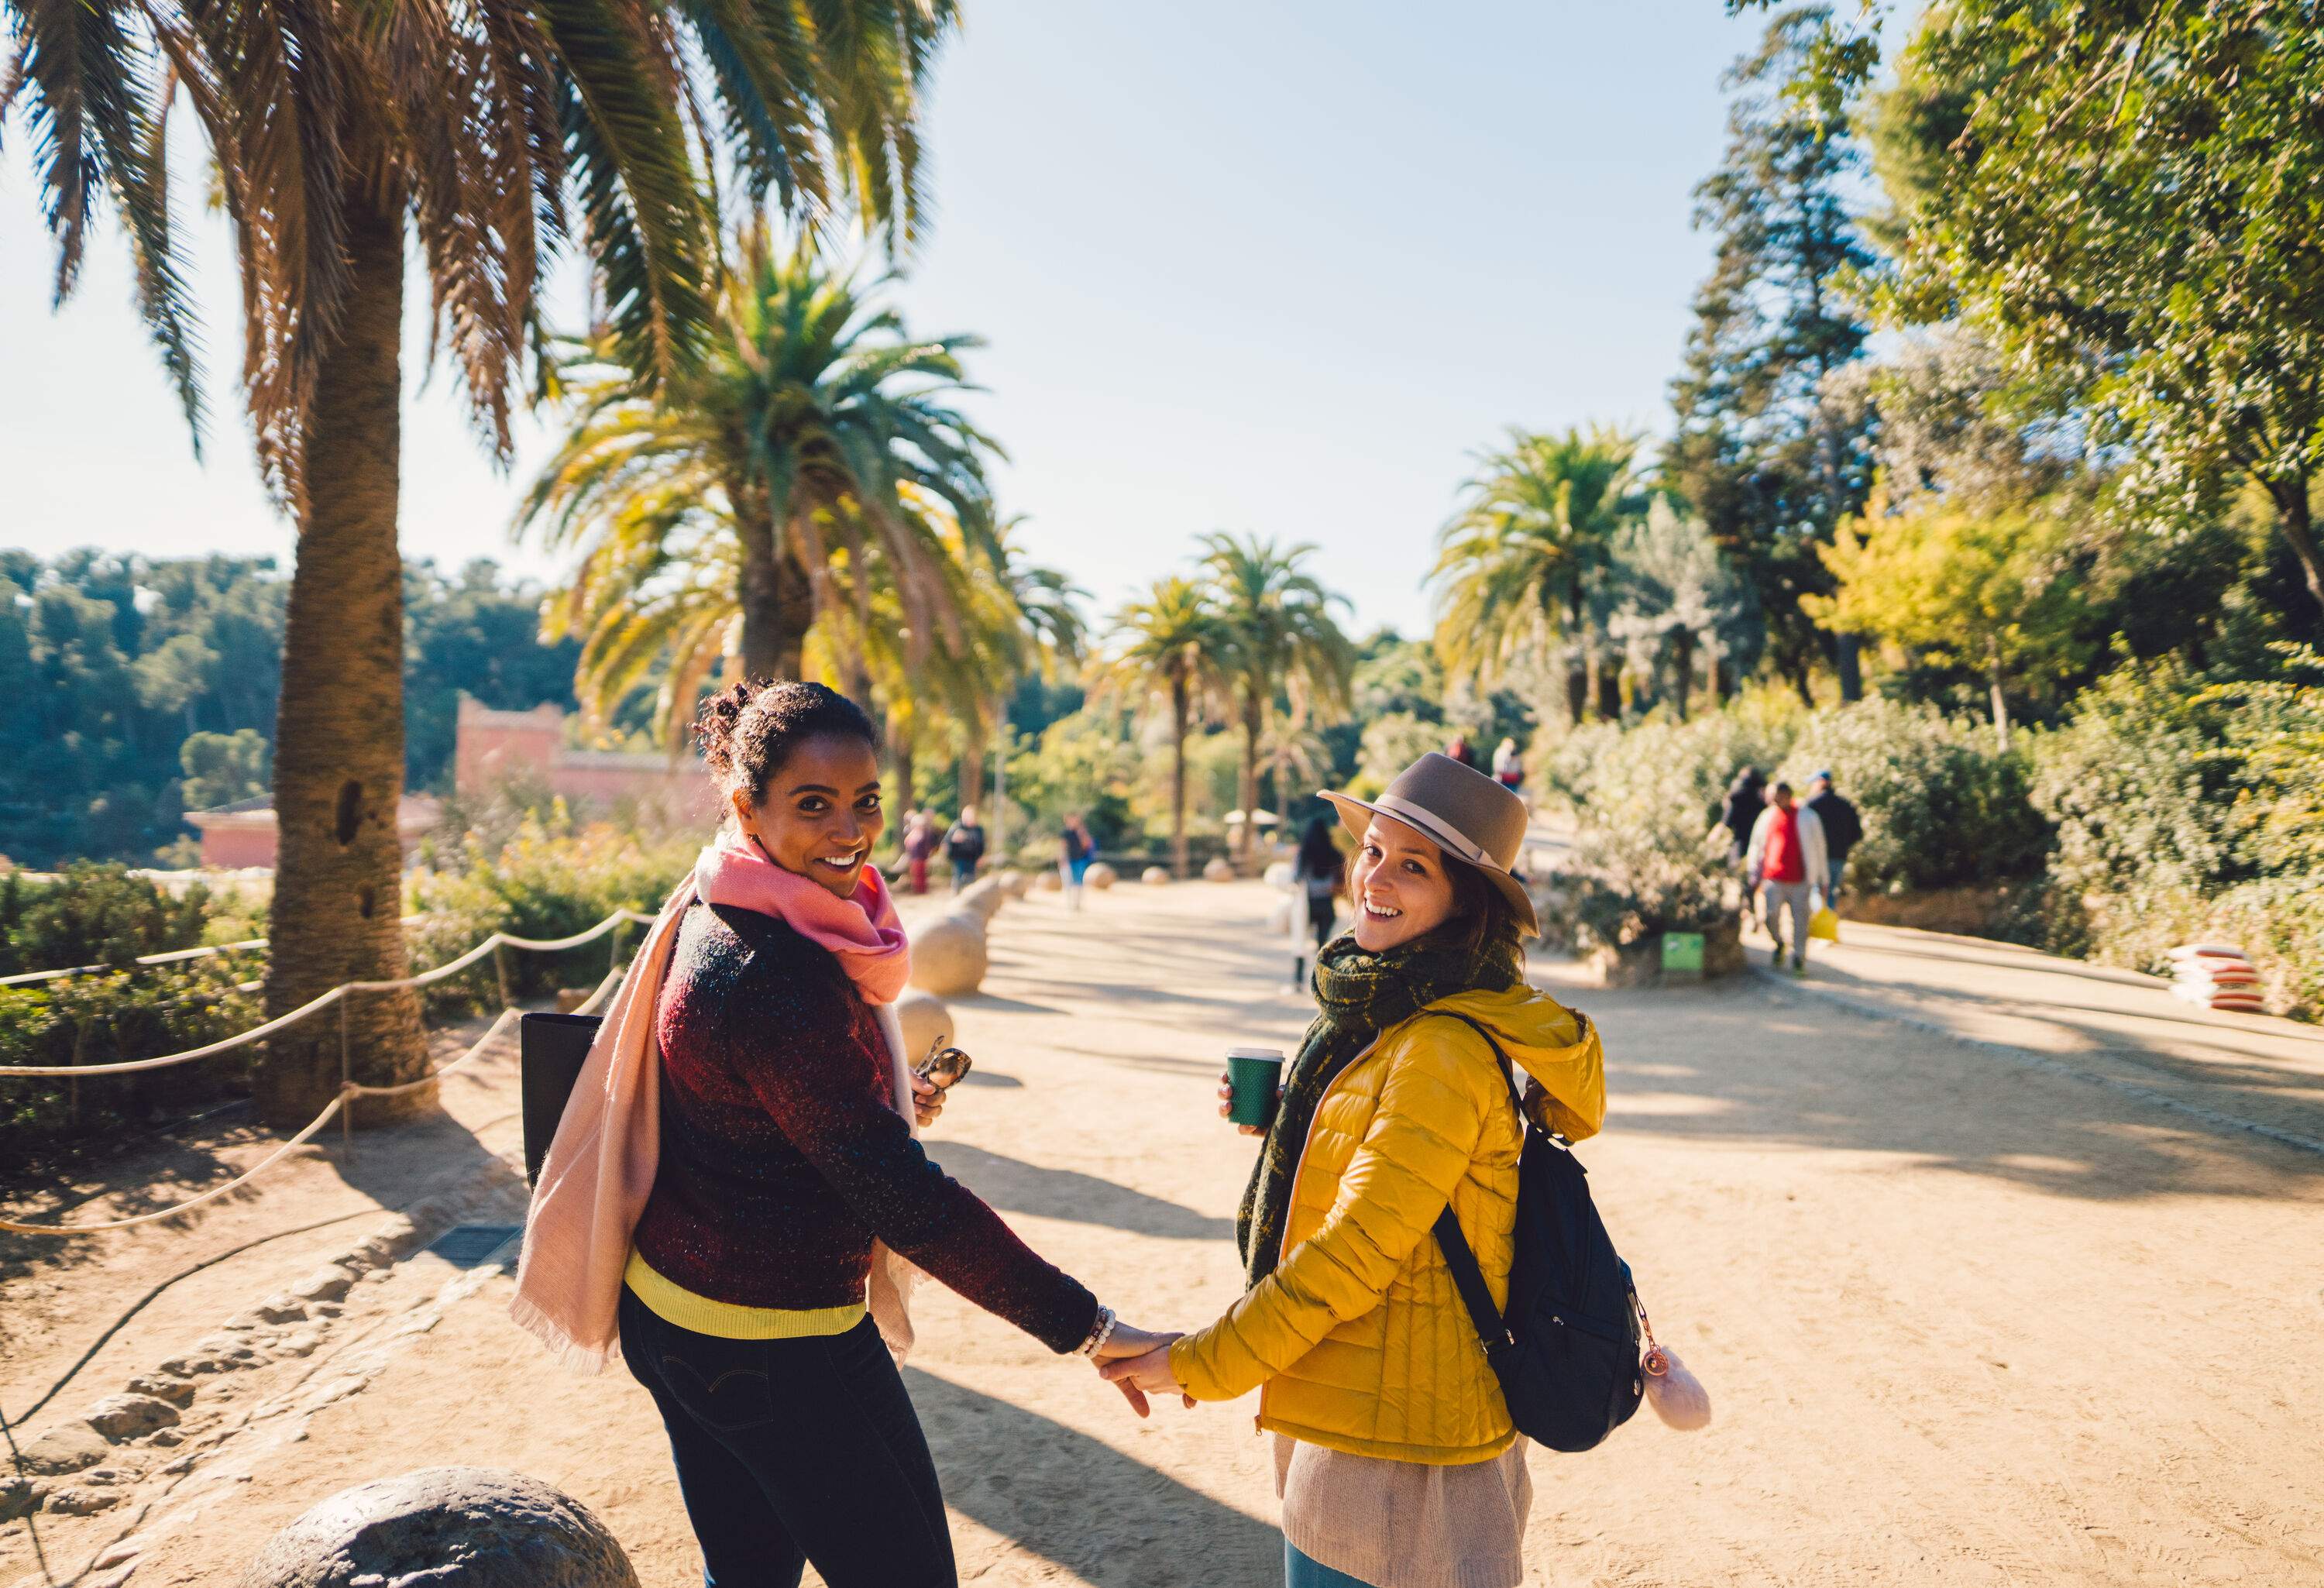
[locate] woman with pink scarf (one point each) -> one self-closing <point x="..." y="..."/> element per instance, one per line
<point x="735" y="1203"/>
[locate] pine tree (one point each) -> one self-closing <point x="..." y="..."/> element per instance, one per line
<point x="1768" y="464"/>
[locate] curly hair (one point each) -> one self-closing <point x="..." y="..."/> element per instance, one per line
<point x="748" y="732"/>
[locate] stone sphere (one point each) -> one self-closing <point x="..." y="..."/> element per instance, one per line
<point x="1049" y="882"/>
<point x="1218" y="870"/>
<point x="1277" y="874"/>
<point x="449" y="1527"/>
<point x="981" y="899"/>
<point x="925" y="1018"/>
<point x="1154" y="876"/>
<point x="949" y="956"/>
<point x="1016" y="884"/>
<point x="1101" y="875"/>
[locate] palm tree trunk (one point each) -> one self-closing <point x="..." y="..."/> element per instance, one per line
<point x="1180" y="708"/>
<point x="778" y="606"/>
<point x="1722" y="683"/>
<point x="1577" y="665"/>
<point x="1609" y="671"/>
<point x="972" y="770"/>
<point x="338" y="759"/>
<point x="1247" y="791"/>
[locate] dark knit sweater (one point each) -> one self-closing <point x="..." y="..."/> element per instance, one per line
<point x="782" y="1156"/>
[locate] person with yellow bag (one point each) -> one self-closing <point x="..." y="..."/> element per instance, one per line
<point x="1788" y="860"/>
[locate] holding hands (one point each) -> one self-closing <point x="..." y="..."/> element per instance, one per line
<point x="1137" y="1362"/>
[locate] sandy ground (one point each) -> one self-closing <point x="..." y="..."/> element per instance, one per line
<point x="1966" y="1320"/>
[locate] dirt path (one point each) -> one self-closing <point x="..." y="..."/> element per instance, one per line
<point x="1966" y="1321"/>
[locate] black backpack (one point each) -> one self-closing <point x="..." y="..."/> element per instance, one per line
<point x="1566" y="1350"/>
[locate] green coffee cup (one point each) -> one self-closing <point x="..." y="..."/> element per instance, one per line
<point x="1253" y="1074"/>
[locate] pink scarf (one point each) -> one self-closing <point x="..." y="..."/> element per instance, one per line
<point x="600" y="1168"/>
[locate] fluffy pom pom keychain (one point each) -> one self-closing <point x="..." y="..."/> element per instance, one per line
<point x="1677" y="1395"/>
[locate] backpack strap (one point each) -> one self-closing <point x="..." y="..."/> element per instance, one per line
<point x="1492" y="1333"/>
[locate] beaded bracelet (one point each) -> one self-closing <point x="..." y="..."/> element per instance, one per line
<point x="1100" y="1332"/>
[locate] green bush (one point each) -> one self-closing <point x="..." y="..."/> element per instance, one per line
<point x="93" y="914"/>
<point x="1941" y="806"/>
<point x="551" y="879"/>
<point x="108" y="1018"/>
<point x="2191" y="810"/>
<point x="1642" y="802"/>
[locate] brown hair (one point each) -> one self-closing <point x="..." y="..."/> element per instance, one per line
<point x="748" y="732"/>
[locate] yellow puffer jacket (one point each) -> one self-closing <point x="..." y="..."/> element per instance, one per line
<point x="1357" y="1337"/>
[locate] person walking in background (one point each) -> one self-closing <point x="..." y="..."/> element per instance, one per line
<point x="919" y="845"/>
<point x="1459" y="750"/>
<point x="1788" y="860"/>
<point x="964" y="847"/>
<point x="1509" y="770"/>
<point x="1746" y="798"/>
<point x="1842" y="830"/>
<point x="1075" y="850"/>
<point x="1317" y="875"/>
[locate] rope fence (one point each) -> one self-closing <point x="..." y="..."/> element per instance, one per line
<point x="349" y="1089"/>
<point x="444" y="972"/>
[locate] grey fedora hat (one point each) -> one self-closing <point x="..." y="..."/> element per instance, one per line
<point x="1468" y="815"/>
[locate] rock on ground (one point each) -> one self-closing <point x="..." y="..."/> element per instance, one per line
<point x="129" y="1417"/>
<point x="925" y="1022"/>
<point x="64" y="1449"/>
<point x="445" y="1527"/>
<point x="949" y="957"/>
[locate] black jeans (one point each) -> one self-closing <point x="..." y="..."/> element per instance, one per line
<point x="792" y="1451"/>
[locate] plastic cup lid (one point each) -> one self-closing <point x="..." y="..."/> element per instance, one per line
<point x="1273" y="1053"/>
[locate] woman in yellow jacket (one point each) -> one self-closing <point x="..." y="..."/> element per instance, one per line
<point x="1395" y="1457"/>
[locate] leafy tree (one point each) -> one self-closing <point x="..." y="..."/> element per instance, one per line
<point x="335" y="132"/>
<point x="1770" y="465"/>
<point x="222" y="768"/>
<point x="1673" y="593"/>
<point x="788" y="441"/>
<point x="2127" y="200"/>
<point x="1998" y="589"/>
<point x="470" y="633"/>
<point x="1520" y="565"/>
<point x="1170" y="644"/>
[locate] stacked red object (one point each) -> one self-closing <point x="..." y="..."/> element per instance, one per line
<point x="2216" y="975"/>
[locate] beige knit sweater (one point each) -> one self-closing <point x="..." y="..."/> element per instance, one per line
<point x="1396" y="1524"/>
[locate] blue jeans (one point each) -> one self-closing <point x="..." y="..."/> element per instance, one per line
<point x="792" y="1451"/>
<point x="1299" y="1572"/>
<point x="1832" y="893"/>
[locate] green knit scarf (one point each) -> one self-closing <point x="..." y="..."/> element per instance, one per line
<point x="1360" y="995"/>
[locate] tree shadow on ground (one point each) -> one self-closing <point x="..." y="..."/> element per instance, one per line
<point x="1015" y="1186"/>
<point x="1121" y="1524"/>
<point x="1698" y="1065"/>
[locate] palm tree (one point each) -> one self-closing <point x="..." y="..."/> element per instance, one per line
<point x="1279" y="634"/>
<point x="1170" y="644"/>
<point x="497" y="133"/>
<point x="810" y="408"/>
<point x="1521" y="561"/>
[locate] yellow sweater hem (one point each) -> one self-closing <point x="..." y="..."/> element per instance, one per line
<point x="726" y="1320"/>
<point x="1417" y="1454"/>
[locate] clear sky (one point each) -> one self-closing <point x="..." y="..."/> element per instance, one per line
<point x="1274" y="267"/>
